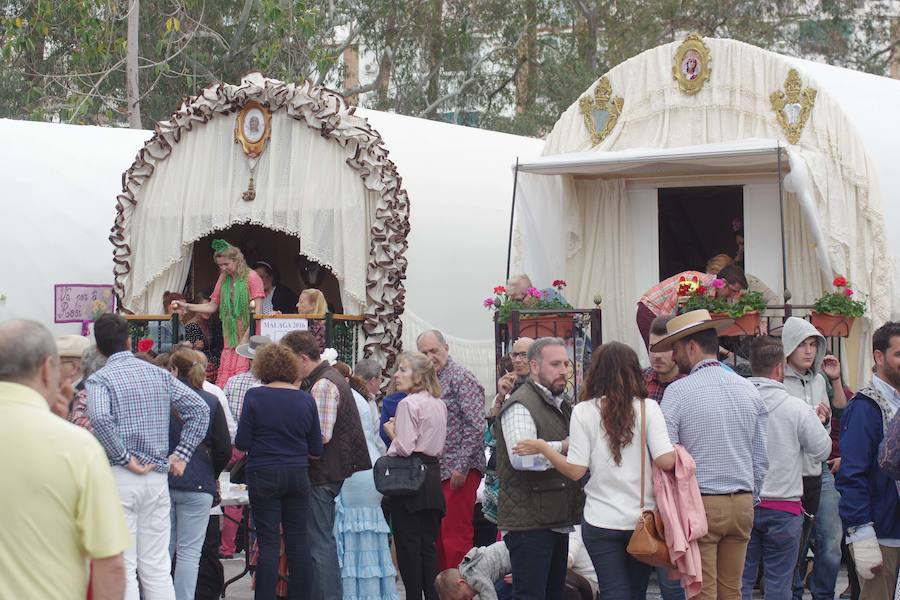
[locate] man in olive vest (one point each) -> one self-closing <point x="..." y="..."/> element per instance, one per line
<point x="345" y="454"/>
<point x="538" y="506"/>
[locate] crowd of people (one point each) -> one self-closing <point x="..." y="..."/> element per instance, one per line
<point x="534" y="494"/>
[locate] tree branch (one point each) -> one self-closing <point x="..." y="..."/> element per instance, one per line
<point x="387" y="57"/>
<point x="249" y="5"/>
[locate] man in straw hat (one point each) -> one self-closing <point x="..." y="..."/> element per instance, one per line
<point x="720" y="419"/>
<point x="235" y="390"/>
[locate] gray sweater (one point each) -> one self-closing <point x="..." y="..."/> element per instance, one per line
<point x="795" y="435"/>
<point x="483" y="566"/>
<point x="810" y="386"/>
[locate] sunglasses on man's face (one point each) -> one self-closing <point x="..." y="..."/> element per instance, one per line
<point x="515" y="355"/>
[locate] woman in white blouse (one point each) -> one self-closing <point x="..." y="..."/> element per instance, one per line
<point x="605" y="439"/>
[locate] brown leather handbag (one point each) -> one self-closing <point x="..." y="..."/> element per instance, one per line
<point x="648" y="542"/>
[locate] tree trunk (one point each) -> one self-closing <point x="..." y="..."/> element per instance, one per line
<point x="132" y="81"/>
<point x="435" y="51"/>
<point x="526" y="86"/>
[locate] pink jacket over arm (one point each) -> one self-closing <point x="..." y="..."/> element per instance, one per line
<point x="684" y="518"/>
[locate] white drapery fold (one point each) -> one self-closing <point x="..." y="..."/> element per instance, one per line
<point x="303" y="187"/>
<point x="601" y="259"/>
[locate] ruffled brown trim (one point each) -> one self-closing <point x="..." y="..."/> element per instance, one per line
<point x="328" y="112"/>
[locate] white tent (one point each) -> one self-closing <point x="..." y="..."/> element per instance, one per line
<point x="589" y="212"/>
<point x="62" y="183"/>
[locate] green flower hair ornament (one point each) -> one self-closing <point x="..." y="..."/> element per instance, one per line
<point x="220" y="246"/>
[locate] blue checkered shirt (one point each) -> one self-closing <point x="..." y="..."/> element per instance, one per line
<point x="130" y="402"/>
<point x="720" y="419"/>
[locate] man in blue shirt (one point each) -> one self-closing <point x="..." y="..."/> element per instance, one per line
<point x="720" y="419"/>
<point x="869" y="505"/>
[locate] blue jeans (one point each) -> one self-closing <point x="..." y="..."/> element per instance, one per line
<point x="826" y="540"/>
<point x="669" y="589"/>
<point x="774" y="541"/>
<point x="326" y="571"/>
<point x="619" y="576"/>
<point x="827" y="533"/>
<point x="279" y="499"/>
<point x="189" y="515"/>
<point x="538" y="563"/>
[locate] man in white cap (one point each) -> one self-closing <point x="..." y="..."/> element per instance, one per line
<point x="721" y="420"/>
<point x="70" y="349"/>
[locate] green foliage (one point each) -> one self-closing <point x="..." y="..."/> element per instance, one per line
<point x="513" y="65"/>
<point x="505" y="309"/>
<point x="839" y="303"/>
<point x="707" y="302"/>
<point x="749" y="302"/>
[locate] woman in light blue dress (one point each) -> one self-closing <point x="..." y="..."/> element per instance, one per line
<point x="360" y="529"/>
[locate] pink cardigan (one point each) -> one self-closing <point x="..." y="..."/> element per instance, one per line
<point x="684" y="518"/>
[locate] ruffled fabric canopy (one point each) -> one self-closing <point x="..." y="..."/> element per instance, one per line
<point x="329" y="183"/>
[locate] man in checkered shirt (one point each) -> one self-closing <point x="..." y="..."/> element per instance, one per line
<point x="721" y="420"/>
<point x="130" y="403"/>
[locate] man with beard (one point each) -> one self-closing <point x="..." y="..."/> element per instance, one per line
<point x="721" y="420"/>
<point x="869" y="505"/>
<point x="538" y="506"/>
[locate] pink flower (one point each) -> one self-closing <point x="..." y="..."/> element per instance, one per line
<point x="718" y="283"/>
<point x="534" y="292"/>
<point x="848" y="291"/>
<point x="488" y="302"/>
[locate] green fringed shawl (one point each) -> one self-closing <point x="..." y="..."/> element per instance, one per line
<point x="234" y="308"/>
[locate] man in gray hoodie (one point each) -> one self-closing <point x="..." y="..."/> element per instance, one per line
<point x="815" y="377"/>
<point x="795" y="433"/>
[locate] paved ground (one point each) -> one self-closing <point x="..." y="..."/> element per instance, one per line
<point x="241" y="589"/>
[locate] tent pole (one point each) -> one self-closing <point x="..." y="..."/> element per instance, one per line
<point x="787" y="294"/>
<point x="512" y="216"/>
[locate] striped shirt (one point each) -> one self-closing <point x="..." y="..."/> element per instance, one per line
<point x="720" y="419"/>
<point x="129" y="404"/>
<point x="327" y="397"/>
<point x="235" y="390"/>
<point x="662" y="297"/>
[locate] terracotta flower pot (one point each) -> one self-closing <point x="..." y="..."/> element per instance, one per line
<point x="747" y="324"/>
<point x="539" y="326"/>
<point x="832" y="325"/>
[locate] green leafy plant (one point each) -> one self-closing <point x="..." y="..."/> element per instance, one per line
<point x="534" y="299"/>
<point x="840" y="302"/>
<point x="749" y="302"/>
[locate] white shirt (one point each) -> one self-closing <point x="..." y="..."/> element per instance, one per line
<point x="223" y="400"/>
<point x="614" y="492"/>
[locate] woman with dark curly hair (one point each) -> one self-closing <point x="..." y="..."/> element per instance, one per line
<point x="279" y="430"/>
<point x="605" y="438"/>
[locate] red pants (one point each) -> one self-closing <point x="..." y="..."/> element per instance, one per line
<point x="230" y="529"/>
<point x="457" y="528"/>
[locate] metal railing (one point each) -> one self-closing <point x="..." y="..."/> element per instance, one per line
<point x="342" y="332"/>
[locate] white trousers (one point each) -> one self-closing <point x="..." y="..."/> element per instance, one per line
<point x="145" y="499"/>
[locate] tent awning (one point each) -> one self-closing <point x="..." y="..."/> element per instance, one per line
<point x="756" y="156"/>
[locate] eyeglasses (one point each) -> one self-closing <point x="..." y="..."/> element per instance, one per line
<point x="515" y="355"/>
